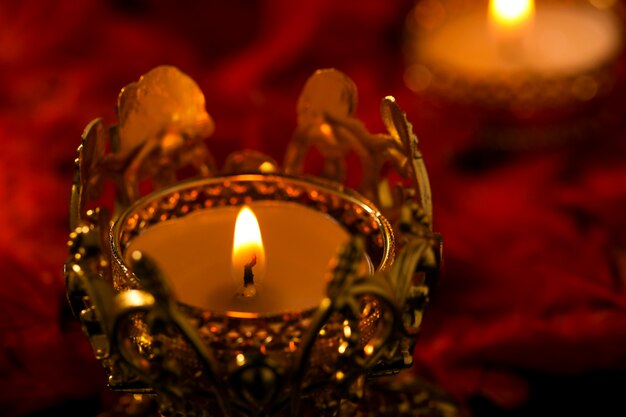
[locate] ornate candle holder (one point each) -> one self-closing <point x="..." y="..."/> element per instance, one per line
<point x="333" y="359"/>
<point x="549" y="85"/>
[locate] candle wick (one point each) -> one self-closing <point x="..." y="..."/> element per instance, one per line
<point x="248" y="275"/>
<point x="249" y="289"/>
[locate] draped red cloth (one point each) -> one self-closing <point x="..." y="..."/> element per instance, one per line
<point x="532" y="304"/>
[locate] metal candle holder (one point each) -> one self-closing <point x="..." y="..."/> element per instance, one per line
<point x="195" y="362"/>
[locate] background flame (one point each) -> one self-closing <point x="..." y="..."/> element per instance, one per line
<point x="511" y="12"/>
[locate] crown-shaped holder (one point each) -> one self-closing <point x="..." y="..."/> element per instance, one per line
<point x="550" y="76"/>
<point x="323" y="360"/>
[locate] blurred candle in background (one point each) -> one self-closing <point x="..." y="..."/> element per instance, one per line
<point x="544" y="52"/>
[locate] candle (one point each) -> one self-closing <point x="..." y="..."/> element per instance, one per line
<point x="561" y="39"/>
<point x="196" y="254"/>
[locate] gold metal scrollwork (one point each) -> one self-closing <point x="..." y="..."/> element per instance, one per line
<point x="162" y="316"/>
<point x="326" y="121"/>
<point x="161" y="126"/>
<point x="347" y="291"/>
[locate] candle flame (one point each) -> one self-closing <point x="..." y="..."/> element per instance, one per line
<point x="511" y="12"/>
<point x="247" y="244"/>
<point x="511" y="27"/>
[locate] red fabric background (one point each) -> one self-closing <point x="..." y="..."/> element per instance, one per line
<point x="532" y="305"/>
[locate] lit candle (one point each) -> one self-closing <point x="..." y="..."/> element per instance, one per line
<point x="205" y="260"/>
<point x="510" y="23"/>
<point x="560" y="39"/>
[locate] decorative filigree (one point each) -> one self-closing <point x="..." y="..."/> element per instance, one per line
<point x="161" y="126"/>
<point x="203" y="363"/>
<point x="163" y="371"/>
<point x="326" y="121"/>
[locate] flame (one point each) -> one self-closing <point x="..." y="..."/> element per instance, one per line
<point x="247" y="244"/>
<point x="511" y="12"/>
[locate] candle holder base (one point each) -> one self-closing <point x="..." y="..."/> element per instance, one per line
<point x="405" y="395"/>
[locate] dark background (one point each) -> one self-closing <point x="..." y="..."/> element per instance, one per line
<point x="530" y="316"/>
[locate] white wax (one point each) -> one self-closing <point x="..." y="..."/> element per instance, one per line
<point x="565" y="39"/>
<point x="195" y="252"/>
